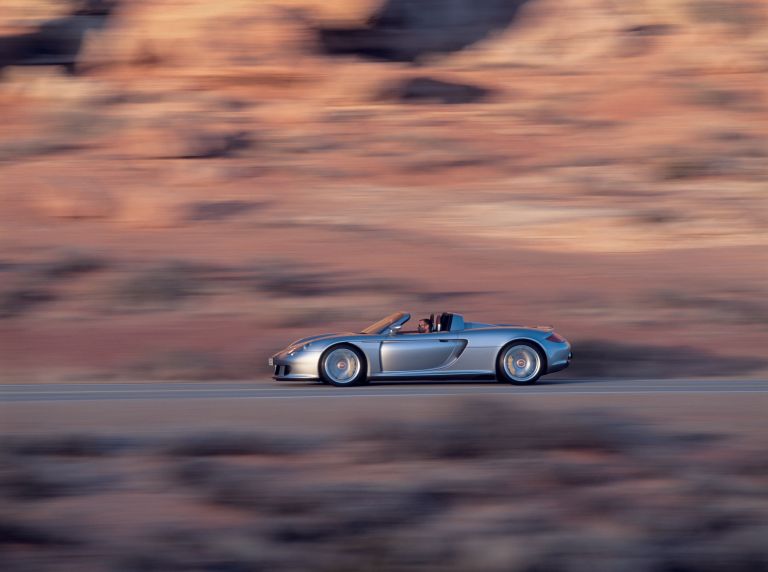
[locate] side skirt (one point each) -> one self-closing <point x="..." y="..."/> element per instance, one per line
<point x="431" y="376"/>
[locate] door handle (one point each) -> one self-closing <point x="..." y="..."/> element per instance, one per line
<point x="445" y="341"/>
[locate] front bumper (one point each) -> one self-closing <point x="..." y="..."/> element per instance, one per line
<point x="297" y="366"/>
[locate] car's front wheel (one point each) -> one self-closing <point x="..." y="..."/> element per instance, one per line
<point x="343" y="365"/>
<point x="520" y="363"/>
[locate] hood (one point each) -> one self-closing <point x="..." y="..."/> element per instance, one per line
<point x="319" y="337"/>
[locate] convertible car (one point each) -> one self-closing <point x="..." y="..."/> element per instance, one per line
<point x="444" y="346"/>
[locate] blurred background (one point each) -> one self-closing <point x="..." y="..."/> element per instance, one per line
<point x="186" y="186"/>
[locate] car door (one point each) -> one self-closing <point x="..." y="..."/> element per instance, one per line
<point x="419" y="352"/>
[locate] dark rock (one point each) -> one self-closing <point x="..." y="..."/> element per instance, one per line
<point x="404" y="30"/>
<point x="429" y="90"/>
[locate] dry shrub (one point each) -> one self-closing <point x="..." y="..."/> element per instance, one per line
<point x="218" y="210"/>
<point x="69" y="445"/>
<point x="239" y="444"/>
<point x="481" y="429"/>
<point x="742" y="15"/>
<point x="163" y="286"/>
<point x="485" y="487"/>
<point x="70" y="264"/>
<point x="70" y="200"/>
<point x="182" y="139"/>
<point x="35" y="481"/>
<point x="19" y="301"/>
<point x="20" y="533"/>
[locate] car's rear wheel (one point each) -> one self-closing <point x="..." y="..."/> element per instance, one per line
<point x="520" y="363"/>
<point x="343" y="365"/>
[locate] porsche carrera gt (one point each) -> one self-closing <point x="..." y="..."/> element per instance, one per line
<point x="444" y="346"/>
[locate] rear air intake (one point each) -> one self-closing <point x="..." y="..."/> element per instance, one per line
<point x="553" y="337"/>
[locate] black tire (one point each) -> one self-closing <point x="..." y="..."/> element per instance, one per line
<point x="345" y="353"/>
<point x="529" y="355"/>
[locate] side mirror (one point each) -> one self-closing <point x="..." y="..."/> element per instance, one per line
<point x="393" y="330"/>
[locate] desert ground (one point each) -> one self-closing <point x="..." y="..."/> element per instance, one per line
<point x="178" y="201"/>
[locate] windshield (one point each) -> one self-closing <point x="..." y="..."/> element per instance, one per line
<point x="380" y="326"/>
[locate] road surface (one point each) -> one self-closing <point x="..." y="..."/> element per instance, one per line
<point x="269" y="390"/>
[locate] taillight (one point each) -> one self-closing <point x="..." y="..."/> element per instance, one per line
<point x="557" y="338"/>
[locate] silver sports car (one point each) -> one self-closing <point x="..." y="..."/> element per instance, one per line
<point x="443" y="346"/>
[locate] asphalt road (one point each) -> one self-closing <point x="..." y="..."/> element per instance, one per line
<point x="266" y="390"/>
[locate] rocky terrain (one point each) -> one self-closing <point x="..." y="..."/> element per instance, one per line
<point x="185" y="186"/>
